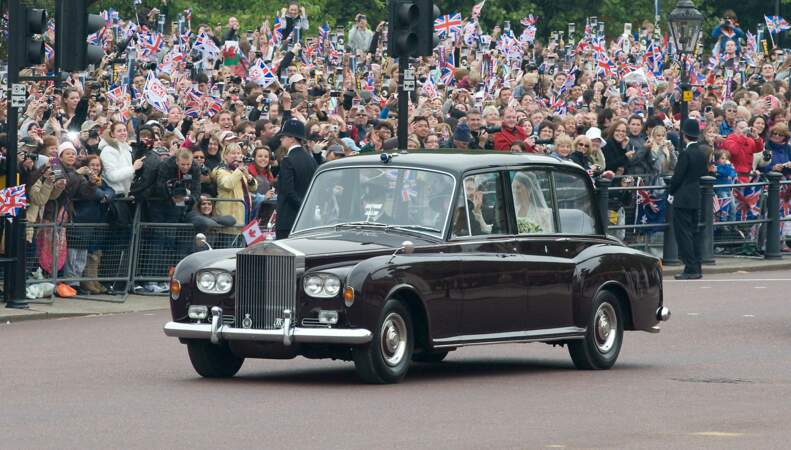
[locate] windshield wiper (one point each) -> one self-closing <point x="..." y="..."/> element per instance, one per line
<point x="363" y="223"/>
<point x="418" y="228"/>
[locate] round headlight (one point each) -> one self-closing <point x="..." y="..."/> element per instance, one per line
<point x="206" y="281"/>
<point x="332" y="285"/>
<point x="224" y="282"/>
<point x="314" y="285"/>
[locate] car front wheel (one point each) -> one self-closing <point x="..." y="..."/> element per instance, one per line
<point x="602" y="343"/>
<point x="213" y="361"/>
<point x="386" y="358"/>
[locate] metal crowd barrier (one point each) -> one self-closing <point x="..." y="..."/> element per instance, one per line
<point x="120" y="258"/>
<point x="765" y="231"/>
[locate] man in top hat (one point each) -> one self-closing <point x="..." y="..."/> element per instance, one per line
<point x="296" y="171"/>
<point x="685" y="189"/>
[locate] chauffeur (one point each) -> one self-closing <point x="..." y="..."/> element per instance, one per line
<point x="296" y="171"/>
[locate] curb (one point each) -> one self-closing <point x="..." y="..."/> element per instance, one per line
<point x="40" y="315"/>
<point x="712" y="269"/>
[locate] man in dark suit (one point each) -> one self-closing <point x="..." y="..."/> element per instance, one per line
<point x="296" y="171"/>
<point x="685" y="189"/>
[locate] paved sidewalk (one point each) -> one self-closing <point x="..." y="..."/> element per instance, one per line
<point x="70" y="307"/>
<point x="136" y="303"/>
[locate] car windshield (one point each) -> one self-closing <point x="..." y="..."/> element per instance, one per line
<point x="391" y="197"/>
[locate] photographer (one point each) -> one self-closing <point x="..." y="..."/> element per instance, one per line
<point x="89" y="138"/>
<point x="777" y="155"/>
<point x="178" y="188"/>
<point x="234" y="182"/>
<point x="144" y="182"/>
<point x="728" y="30"/>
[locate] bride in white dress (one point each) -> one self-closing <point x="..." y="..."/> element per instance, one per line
<point x="532" y="213"/>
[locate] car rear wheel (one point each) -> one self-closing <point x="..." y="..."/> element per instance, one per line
<point x="429" y="357"/>
<point x="213" y="361"/>
<point x="386" y="358"/>
<point x="602" y="343"/>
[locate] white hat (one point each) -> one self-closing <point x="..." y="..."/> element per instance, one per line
<point x="594" y="133"/>
<point x="296" y="78"/>
<point x="66" y="146"/>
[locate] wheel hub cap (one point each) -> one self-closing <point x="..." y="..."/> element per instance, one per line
<point x="393" y="339"/>
<point x="605" y="326"/>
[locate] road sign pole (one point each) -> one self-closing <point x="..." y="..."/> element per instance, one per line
<point x="403" y="102"/>
<point x="14" y="283"/>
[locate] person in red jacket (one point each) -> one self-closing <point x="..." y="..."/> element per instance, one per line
<point x="510" y="131"/>
<point x="742" y="145"/>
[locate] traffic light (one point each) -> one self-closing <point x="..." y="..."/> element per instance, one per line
<point x="412" y="28"/>
<point x="74" y="52"/>
<point x="29" y="50"/>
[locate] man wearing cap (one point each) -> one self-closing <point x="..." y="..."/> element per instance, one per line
<point x="462" y="136"/>
<point x="685" y="192"/>
<point x="296" y="171"/>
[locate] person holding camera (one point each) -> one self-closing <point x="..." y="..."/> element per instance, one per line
<point x="742" y="144"/>
<point x="777" y="155"/>
<point x="728" y="30"/>
<point x="89" y="138"/>
<point x="234" y="182"/>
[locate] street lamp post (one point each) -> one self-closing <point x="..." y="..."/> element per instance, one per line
<point x="685" y="22"/>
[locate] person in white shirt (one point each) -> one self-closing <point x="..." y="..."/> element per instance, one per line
<point x="116" y="156"/>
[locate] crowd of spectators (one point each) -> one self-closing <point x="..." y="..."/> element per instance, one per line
<point x="208" y="152"/>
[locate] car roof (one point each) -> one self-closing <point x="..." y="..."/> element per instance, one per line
<point x="453" y="161"/>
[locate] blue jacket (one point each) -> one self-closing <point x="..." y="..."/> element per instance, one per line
<point x="781" y="154"/>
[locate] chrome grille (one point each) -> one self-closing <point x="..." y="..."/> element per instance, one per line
<point x="227" y="319"/>
<point x="266" y="284"/>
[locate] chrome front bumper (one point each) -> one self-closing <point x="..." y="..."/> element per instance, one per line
<point x="217" y="332"/>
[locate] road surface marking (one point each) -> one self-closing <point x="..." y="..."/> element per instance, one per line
<point x="693" y="314"/>
<point x="705" y="287"/>
<point x="718" y="434"/>
<point x="749" y="315"/>
<point x="555" y="446"/>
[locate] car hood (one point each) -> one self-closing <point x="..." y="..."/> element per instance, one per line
<point x="318" y="245"/>
<point x="352" y="241"/>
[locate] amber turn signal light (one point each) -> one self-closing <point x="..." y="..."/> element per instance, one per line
<point x="175" y="289"/>
<point x="348" y="295"/>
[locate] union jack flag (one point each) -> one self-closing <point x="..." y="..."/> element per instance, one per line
<point x="476" y="10"/>
<point x="528" y="21"/>
<point x="324" y="31"/>
<point x="261" y="74"/>
<point x="722" y="207"/>
<point x="776" y="24"/>
<point x="152" y="44"/>
<point x="49" y="52"/>
<point x="277" y="30"/>
<point x="117" y="94"/>
<point x="747" y="202"/>
<point x="447" y="25"/>
<point x="12" y="200"/>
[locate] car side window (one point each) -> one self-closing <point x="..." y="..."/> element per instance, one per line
<point x="575" y="205"/>
<point x="480" y="209"/>
<point x="532" y="196"/>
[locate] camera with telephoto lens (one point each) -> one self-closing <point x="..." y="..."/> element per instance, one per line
<point x="33" y="156"/>
<point x="766" y="155"/>
<point x="204" y="171"/>
<point x="148" y="66"/>
<point x="178" y="188"/>
<point x="491" y="130"/>
<point x="93" y="133"/>
<point x="235" y="79"/>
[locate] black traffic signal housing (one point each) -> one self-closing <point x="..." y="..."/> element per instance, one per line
<point x="411" y="32"/>
<point x="73" y="29"/>
<point x="29" y="22"/>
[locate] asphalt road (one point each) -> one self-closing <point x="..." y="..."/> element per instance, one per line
<point x="718" y="376"/>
